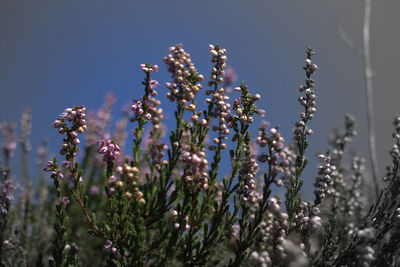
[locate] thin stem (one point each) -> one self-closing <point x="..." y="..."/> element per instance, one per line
<point x="369" y="95"/>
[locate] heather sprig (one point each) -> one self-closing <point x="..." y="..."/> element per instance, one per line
<point x="69" y="124"/>
<point x="293" y="198"/>
<point x="244" y="108"/>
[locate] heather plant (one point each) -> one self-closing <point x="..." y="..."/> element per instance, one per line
<point x="204" y="194"/>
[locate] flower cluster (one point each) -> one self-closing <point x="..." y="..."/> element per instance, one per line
<point x="156" y="147"/>
<point x="219" y="58"/>
<point x="218" y="107"/>
<point x="109" y="149"/>
<point x="108" y="246"/>
<point x="138" y="110"/>
<point x="248" y="170"/>
<point x="144" y="109"/>
<point x="365" y="253"/>
<point x="295" y="254"/>
<point x="147" y="68"/>
<point x="277" y="155"/>
<point x="222" y="112"/>
<point x="175" y="214"/>
<point x="356" y="201"/>
<point x="127" y="182"/>
<point x="54" y="168"/>
<point x="290" y="158"/>
<point x="157" y="154"/>
<point x="6" y="196"/>
<point x="156" y="112"/>
<point x="307" y="101"/>
<point x="76" y="115"/>
<point x="184" y="75"/>
<point x="260" y="259"/>
<point x="324" y="183"/>
<point x="196" y="166"/>
<point x="308" y="218"/>
<point x="244" y="106"/>
<point x="273" y="235"/>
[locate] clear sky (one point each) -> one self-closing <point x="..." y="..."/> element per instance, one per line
<point x="55" y="54"/>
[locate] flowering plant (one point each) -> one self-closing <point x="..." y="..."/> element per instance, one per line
<point x="168" y="203"/>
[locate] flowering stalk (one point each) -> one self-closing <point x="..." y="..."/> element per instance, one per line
<point x="128" y="246"/>
<point x="331" y="184"/>
<point x="60" y="224"/>
<point x="301" y="131"/>
<point x="217" y="108"/>
<point x="255" y="210"/>
<point x="141" y="110"/>
<point x="76" y="116"/>
<point x="199" y="131"/>
<point x="192" y="153"/>
<point x="182" y="90"/>
<point x="245" y="108"/>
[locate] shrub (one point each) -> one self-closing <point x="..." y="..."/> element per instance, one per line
<point x="168" y="203"/>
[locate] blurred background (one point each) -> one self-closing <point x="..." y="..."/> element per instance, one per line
<point x="56" y="54"/>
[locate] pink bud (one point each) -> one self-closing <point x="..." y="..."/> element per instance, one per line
<point x="56" y="123"/>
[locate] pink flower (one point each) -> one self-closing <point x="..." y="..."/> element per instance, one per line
<point x="109" y="149"/>
<point x="64" y="200"/>
<point x="148" y="68"/>
<point x="94" y="190"/>
<point x="260" y="112"/>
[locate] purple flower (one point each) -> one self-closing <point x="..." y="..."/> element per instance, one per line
<point x="6" y="196"/>
<point x="109" y="149"/>
<point x="260" y="112"/>
<point x="57" y="124"/>
<point x="66" y="164"/>
<point x="115" y="252"/>
<point x="153" y="84"/>
<point x="64" y="200"/>
<point x="148" y="68"/>
<point x="94" y="190"/>
<point x="107" y="245"/>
